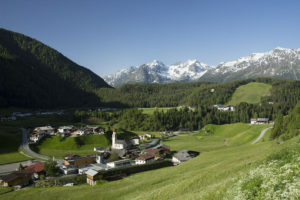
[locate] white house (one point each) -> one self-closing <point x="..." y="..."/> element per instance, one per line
<point x="36" y="137"/>
<point x="135" y="140"/>
<point x="224" y="108"/>
<point x="119" y="163"/>
<point x="65" y="129"/>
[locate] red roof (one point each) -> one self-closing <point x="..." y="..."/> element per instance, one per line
<point x="37" y="167"/>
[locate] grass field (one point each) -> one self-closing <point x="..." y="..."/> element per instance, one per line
<point x="213" y="137"/>
<point x="150" y="111"/>
<point x="58" y="147"/>
<point x="204" y="177"/>
<point x="250" y="93"/>
<point x="10" y="141"/>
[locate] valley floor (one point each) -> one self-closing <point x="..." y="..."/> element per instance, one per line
<point x="226" y="153"/>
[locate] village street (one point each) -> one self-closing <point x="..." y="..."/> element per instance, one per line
<point x="27" y="150"/>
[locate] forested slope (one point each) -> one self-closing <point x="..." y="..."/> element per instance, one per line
<point x="36" y="76"/>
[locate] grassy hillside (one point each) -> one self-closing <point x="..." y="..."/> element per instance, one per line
<point x="10" y="134"/>
<point x="10" y="141"/>
<point x="204" y="177"/>
<point x="250" y="93"/>
<point x="213" y="137"/>
<point x="149" y="111"/>
<point x="58" y="146"/>
<point x="33" y="75"/>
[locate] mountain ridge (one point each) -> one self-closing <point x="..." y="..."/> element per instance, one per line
<point x="278" y="63"/>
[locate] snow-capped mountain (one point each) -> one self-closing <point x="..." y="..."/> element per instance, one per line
<point x="279" y="62"/>
<point x="158" y="72"/>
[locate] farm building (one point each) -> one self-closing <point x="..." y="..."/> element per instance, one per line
<point x="259" y="121"/>
<point x="21" y="178"/>
<point x="92" y="176"/>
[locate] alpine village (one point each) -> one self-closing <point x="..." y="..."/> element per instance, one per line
<point x="181" y="130"/>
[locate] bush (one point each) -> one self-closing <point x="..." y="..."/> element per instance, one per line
<point x="51" y="168"/>
<point x="80" y="179"/>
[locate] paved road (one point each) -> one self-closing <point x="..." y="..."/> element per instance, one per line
<point x="154" y="142"/>
<point x="262" y="133"/>
<point x="8" y="168"/>
<point x="27" y="150"/>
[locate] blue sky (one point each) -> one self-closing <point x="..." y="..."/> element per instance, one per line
<point x="106" y="36"/>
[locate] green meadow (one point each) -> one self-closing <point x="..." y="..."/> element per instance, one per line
<point x="59" y="147"/>
<point x="226" y="153"/>
<point x="250" y="93"/>
<point x="213" y="137"/>
<point x="10" y="141"/>
<point x="150" y="111"/>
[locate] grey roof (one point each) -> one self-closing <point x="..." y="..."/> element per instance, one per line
<point x="182" y="155"/>
<point x="120" y="152"/>
<point x="91" y="172"/>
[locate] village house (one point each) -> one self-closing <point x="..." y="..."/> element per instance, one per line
<point x="36" y="137"/>
<point x="119" y="163"/>
<point x="102" y="157"/>
<point x="76" y="161"/>
<point x="145" y="137"/>
<point x="68" y="170"/>
<point x="37" y="169"/>
<point x="95" y="130"/>
<point x="224" y="108"/>
<point x="183" y="155"/>
<point x="100" y="149"/>
<point x="44" y="130"/>
<point x="152" y="154"/>
<point x="259" y="121"/>
<point x="135" y="140"/>
<point x="21" y="178"/>
<point x="65" y="129"/>
<point x="94" y="166"/>
<point x="92" y="177"/>
<point x="145" y="158"/>
<point x="78" y="132"/>
<point x="159" y="153"/>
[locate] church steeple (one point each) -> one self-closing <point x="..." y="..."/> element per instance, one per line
<point x="114" y="138"/>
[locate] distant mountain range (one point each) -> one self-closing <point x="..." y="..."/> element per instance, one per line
<point x="34" y="75"/>
<point x="279" y="62"/>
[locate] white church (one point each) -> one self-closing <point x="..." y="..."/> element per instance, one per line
<point x="122" y="144"/>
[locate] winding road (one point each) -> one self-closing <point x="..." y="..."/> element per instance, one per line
<point x="26" y="148"/>
<point x="262" y="133"/>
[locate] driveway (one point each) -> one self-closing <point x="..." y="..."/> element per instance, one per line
<point x="262" y="133"/>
